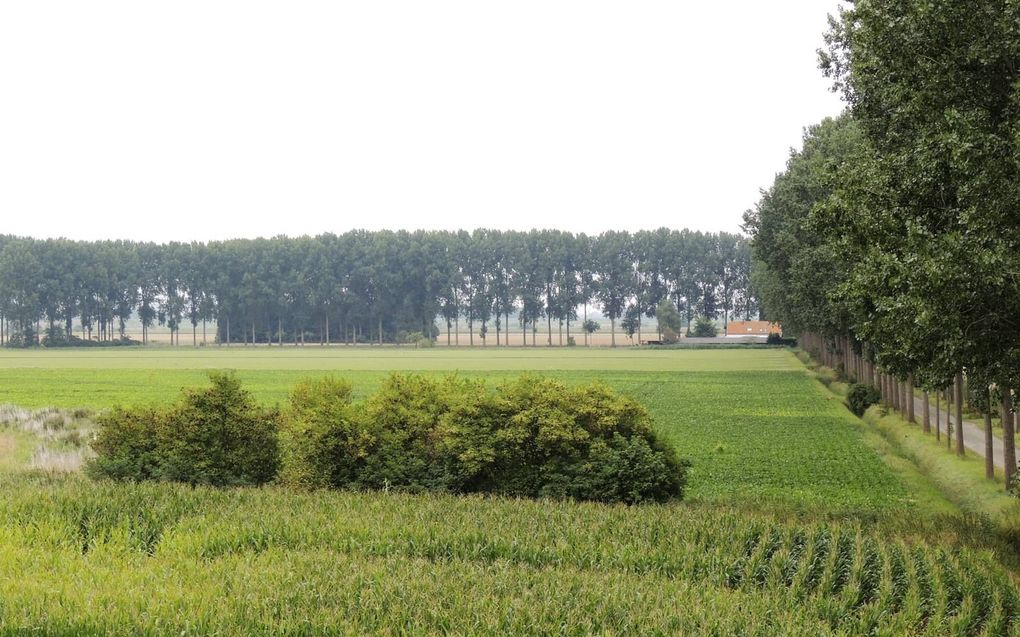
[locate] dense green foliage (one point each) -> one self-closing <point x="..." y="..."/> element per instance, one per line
<point x="893" y="237"/>
<point x="217" y="436"/>
<point x="669" y="321"/>
<point x="860" y="396"/>
<point x="151" y="559"/>
<point x="704" y="328"/>
<point x="532" y="437"/>
<point x="365" y="286"/>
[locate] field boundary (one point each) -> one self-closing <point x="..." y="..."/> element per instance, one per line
<point x="957" y="480"/>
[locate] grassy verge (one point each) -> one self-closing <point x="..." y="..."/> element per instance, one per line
<point x="961" y="479"/>
<point x="924" y="462"/>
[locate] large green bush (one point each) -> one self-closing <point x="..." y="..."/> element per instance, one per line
<point x="531" y="437"/>
<point x="216" y="435"/>
<point x="860" y="396"/>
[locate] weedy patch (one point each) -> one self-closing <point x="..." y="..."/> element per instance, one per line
<point x="63" y="435"/>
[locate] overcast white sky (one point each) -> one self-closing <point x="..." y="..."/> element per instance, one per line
<point x="213" y="119"/>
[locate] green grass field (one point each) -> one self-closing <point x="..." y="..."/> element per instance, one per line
<point x="800" y="519"/>
<point x="752" y="421"/>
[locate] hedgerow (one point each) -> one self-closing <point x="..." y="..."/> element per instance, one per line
<point x="531" y="437"/>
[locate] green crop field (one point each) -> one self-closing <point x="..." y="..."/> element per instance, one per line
<point x="798" y="519"/>
<point x="752" y="421"/>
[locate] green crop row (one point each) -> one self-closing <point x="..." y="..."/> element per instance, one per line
<point x="97" y="558"/>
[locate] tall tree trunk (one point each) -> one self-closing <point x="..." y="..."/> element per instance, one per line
<point x="548" y="319"/>
<point x="327" y="330"/>
<point x="228" y="331"/>
<point x="586" y="324"/>
<point x="1008" y="437"/>
<point x="910" y="399"/>
<point x="938" y="417"/>
<point x="612" y="332"/>
<point x="989" y="445"/>
<point x="926" y="413"/>
<point x="380" y="330"/>
<point x="194" y="335"/>
<point x="960" y="449"/>
<point x="949" y="418"/>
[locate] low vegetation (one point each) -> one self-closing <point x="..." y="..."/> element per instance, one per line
<point x="532" y="437"/>
<point x="153" y="559"/>
<point x="794" y="520"/>
<point x="216" y="436"/>
<point x="704" y="328"/>
<point x="860" y="396"/>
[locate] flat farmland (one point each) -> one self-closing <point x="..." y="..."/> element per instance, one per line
<point x="752" y="421"/>
<point x="797" y="521"/>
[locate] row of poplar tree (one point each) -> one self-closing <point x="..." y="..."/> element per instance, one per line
<point x="892" y="240"/>
<point x="366" y="286"/>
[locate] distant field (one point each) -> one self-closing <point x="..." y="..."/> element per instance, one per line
<point x="364" y="357"/>
<point x="752" y="421"/>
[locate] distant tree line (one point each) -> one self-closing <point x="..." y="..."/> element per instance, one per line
<point x="892" y="240"/>
<point x="366" y="286"/>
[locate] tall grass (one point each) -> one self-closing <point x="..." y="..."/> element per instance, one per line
<point x="88" y="558"/>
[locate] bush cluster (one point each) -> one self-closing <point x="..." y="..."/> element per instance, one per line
<point x="531" y="437"/>
<point x="216" y="436"/>
<point x="705" y="328"/>
<point x="860" y="396"/>
<point x="777" y="339"/>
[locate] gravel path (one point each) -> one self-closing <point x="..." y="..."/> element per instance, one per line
<point x="973" y="432"/>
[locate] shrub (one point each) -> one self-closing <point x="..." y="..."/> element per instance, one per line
<point x="777" y="339"/>
<point x="215" y="435"/>
<point x="318" y="438"/>
<point x="705" y="328"/>
<point x="57" y="337"/>
<point x="125" y="444"/>
<point x="860" y="396"/>
<point x="219" y="436"/>
<point x="531" y="437"/>
<point x="670" y="322"/>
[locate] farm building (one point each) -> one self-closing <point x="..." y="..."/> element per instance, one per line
<point x="753" y="328"/>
